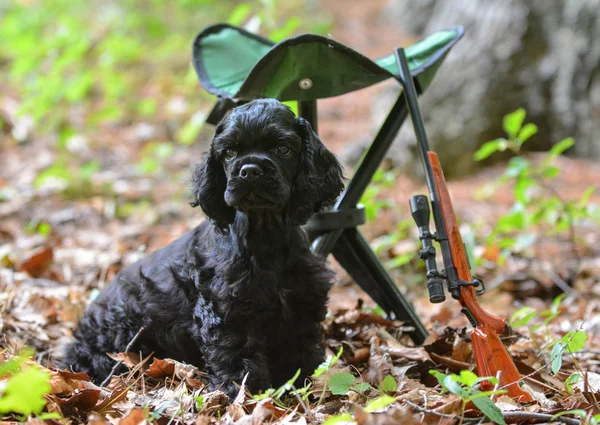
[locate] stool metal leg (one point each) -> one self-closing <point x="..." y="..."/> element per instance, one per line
<point x="353" y="252"/>
<point x="307" y="109"/>
<point x="349" y="247"/>
<point x="370" y="163"/>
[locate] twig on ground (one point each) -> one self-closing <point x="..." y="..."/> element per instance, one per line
<point x="541" y="417"/>
<point x="117" y="364"/>
<point x="441" y="415"/>
<point x="510" y="416"/>
<point x="498" y="376"/>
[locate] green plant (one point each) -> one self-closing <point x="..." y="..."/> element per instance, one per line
<point x="154" y="156"/>
<point x="537" y="204"/>
<point x="342" y="383"/>
<point x="572" y="342"/>
<point x="371" y="199"/>
<point x="82" y="65"/>
<point x="23" y="386"/>
<point x="464" y="386"/>
<point x="525" y="315"/>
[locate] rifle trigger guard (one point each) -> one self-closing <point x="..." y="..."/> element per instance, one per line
<point x="477" y="283"/>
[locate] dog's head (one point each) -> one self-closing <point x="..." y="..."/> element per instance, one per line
<point x="263" y="157"/>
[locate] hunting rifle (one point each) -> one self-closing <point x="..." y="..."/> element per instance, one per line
<point x="491" y="357"/>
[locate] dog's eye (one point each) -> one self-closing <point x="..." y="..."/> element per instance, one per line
<point x="230" y="154"/>
<point x="283" y="150"/>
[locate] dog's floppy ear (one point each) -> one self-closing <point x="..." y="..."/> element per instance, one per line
<point x="209" y="185"/>
<point x="319" y="178"/>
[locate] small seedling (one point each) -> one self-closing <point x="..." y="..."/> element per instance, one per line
<point x="537" y="206"/>
<point x="464" y="386"/>
<point x="23" y="387"/>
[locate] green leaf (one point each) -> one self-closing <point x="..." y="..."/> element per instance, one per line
<point x="336" y="419"/>
<point x="587" y="193"/>
<point x="328" y="364"/>
<point x="49" y="415"/>
<point x="556" y="303"/>
<point x="163" y="150"/>
<point x="512" y="122"/>
<point x="526" y="132"/>
<point x="361" y="387"/>
<point x="199" y="402"/>
<point x="340" y="383"/>
<point x="489" y="148"/>
<point x="379" y="403"/>
<point x="551" y="172"/>
<point x="560" y="147"/>
<point x="149" y="165"/>
<point x="506" y="243"/>
<point x="293" y="104"/>
<point x="525" y="240"/>
<point x="239" y="14"/>
<point x="289" y="385"/>
<point x="57" y="172"/>
<point x="522" y="317"/>
<point x="477" y="394"/>
<point x="468" y="378"/>
<point x="575" y="342"/>
<point x="516" y="166"/>
<point x="399" y="261"/>
<point x="451" y="384"/>
<point x="520" y="190"/>
<point x="438" y="375"/>
<point x="388" y="384"/>
<point x="87" y="170"/>
<point x="572" y="379"/>
<point x="286" y="30"/>
<point x="556" y="357"/>
<point x="44" y="229"/>
<point x="25" y="390"/>
<point x="147" y="107"/>
<point x="189" y="132"/>
<point x="489" y="409"/>
<point x="511" y="222"/>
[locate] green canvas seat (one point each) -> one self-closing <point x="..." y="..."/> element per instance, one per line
<point x="233" y="63"/>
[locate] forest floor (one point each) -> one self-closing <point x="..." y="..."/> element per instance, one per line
<point x="60" y="245"/>
<point x="62" y="240"/>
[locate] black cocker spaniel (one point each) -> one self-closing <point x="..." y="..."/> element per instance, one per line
<point x="239" y="294"/>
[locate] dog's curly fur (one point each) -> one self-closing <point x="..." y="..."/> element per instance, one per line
<point x="239" y="294"/>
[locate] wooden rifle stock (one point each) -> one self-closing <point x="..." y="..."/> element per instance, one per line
<point x="490" y="354"/>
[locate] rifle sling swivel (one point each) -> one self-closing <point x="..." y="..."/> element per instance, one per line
<point x="476" y="283"/>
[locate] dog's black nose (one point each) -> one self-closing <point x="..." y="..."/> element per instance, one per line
<point x="250" y="172"/>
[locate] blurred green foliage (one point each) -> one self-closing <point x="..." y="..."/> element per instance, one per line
<point x="23" y="386"/>
<point x="538" y="207"/>
<point x="113" y="60"/>
<point x="78" y="67"/>
<point x="97" y="57"/>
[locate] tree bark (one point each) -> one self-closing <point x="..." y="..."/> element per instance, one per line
<point x="543" y="55"/>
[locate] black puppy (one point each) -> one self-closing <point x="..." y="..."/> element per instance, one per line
<point x="241" y="294"/>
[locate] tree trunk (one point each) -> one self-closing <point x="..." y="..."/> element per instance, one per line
<point x="543" y="55"/>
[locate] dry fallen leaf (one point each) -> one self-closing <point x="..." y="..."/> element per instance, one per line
<point x="261" y="413"/>
<point x="85" y="399"/>
<point x="135" y="417"/>
<point x="64" y="382"/>
<point x="38" y="263"/>
<point x="160" y="369"/>
<point x="130" y="360"/>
